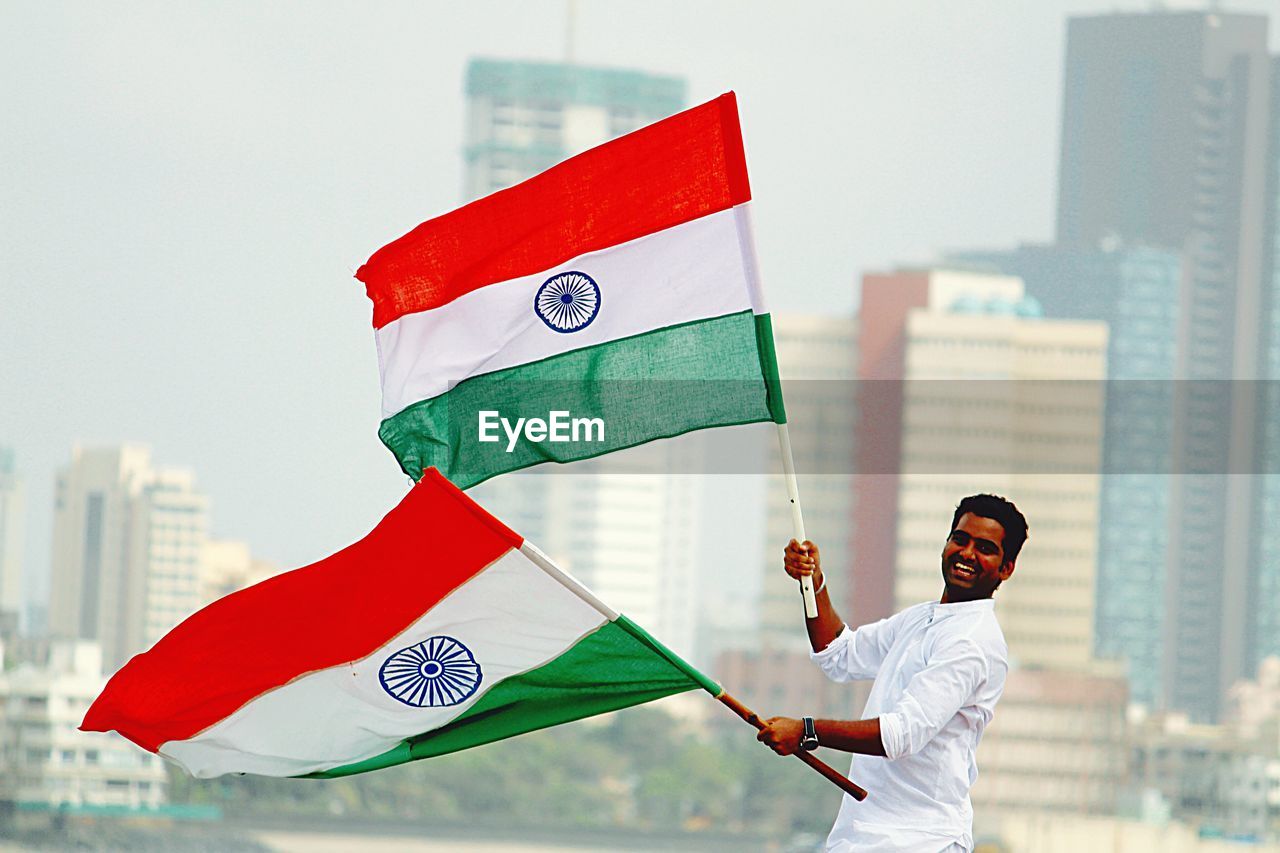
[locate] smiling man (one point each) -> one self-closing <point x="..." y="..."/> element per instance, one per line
<point x="939" y="668"/>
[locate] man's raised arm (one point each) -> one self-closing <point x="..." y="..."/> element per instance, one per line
<point x="860" y="658"/>
<point x="801" y="559"/>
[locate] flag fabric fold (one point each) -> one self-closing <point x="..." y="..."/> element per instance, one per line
<point x="440" y="630"/>
<point x="620" y="284"/>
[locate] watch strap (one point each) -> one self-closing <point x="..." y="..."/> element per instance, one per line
<point x="810" y="739"/>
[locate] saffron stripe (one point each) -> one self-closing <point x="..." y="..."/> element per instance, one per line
<point x="671" y="172"/>
<point x="256" y="639"/>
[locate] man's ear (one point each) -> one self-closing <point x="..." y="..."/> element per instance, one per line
<point x="1006" y="569"/>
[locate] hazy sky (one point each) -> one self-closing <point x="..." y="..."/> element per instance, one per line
<point x="189" y="187"/>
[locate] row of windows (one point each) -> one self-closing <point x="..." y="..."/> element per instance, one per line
<point x="1027" y="348"/>
<point x="88" y="758"/>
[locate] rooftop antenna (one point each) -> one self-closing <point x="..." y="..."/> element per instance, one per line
<point x="570" y="19"/>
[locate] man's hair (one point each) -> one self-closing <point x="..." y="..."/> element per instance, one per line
<point x="1000" y="510"/>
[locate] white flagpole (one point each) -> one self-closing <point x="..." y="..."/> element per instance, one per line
<point x="568" y="581"/>
<point x="797" y="517"/>
<point x="747" y="243"/>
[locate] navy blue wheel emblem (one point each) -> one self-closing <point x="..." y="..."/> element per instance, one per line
<point x="568" y="301"/>
<point x="437" y="672"/>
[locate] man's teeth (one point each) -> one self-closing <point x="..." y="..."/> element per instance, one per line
<point x="961" y="567"/>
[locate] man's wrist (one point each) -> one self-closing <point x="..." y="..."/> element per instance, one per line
<point x="809" y="736"/>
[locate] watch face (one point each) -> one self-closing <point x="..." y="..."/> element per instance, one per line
<point x="809" y="740"/>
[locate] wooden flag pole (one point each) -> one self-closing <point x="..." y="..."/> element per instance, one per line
<point x="797" y="518"/>
<point x="839" y="779"/>
<point x="571" y="583"/>
<point x="810" y="611"/>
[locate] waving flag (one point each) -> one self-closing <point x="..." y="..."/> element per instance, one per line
<point x="440" y="630"/>
<point x="618" y="287"/>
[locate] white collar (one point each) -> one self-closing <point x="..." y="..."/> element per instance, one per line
<point x="955" y="608"/>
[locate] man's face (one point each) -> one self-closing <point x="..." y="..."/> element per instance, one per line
<point x="973" y="562"/>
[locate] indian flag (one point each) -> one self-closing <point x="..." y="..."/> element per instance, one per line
<point x="618" y="288"/>
<point x="440" y="630"/>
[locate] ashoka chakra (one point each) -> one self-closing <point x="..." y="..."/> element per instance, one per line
<point x="568" y="301"/>
<point x="437" y="672"/>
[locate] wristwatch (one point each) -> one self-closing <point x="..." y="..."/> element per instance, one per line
<point x="810" y="740"/>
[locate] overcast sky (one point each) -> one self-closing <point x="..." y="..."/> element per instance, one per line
<point x="189" y="187"/>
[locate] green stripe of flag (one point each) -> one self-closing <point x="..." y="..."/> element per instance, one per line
<point x="616" y="666"/>
<point x="708" y="373"/>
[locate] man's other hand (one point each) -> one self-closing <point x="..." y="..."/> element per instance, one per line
<point x="800" y="559"/>
<point x="782" y="734"/>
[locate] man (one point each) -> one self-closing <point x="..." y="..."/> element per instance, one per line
<point x="939" y="668"/>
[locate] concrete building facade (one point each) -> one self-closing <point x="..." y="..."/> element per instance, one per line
<point x="12" y="521"/>
<point x="1222" y="781"/>
<point x="1057" y="744"/>
<point x="966" y="389"/>
<point x="127" y="544"/>
<point x="227" y="565"/>
<point x="46" y="762"/>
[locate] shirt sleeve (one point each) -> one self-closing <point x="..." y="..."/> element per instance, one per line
<point x="856" y="655"/>
<point x="932" y="697"/>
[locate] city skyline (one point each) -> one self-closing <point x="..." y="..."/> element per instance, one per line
<point x="221" y="330"/>
<point x="662" y="93"/>
<point x="195" y="231"/>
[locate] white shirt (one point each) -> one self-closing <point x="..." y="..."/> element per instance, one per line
<point x="939" y="670"/>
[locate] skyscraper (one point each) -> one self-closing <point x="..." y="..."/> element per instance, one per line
<point x="1164" y="140"/>
<point x="1264" y="622"/>
<point x="12" y="518"/>
<point x="887" y="302"/>
<point x="1164" y="143"/>
<point x="628" y="534"/>
<point x="127" y="542"/>
<point x="1136" y="292"/>
<point x="170" y="526"/>
<point x="978" y="393"/>
<point x="524" y="117"/>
